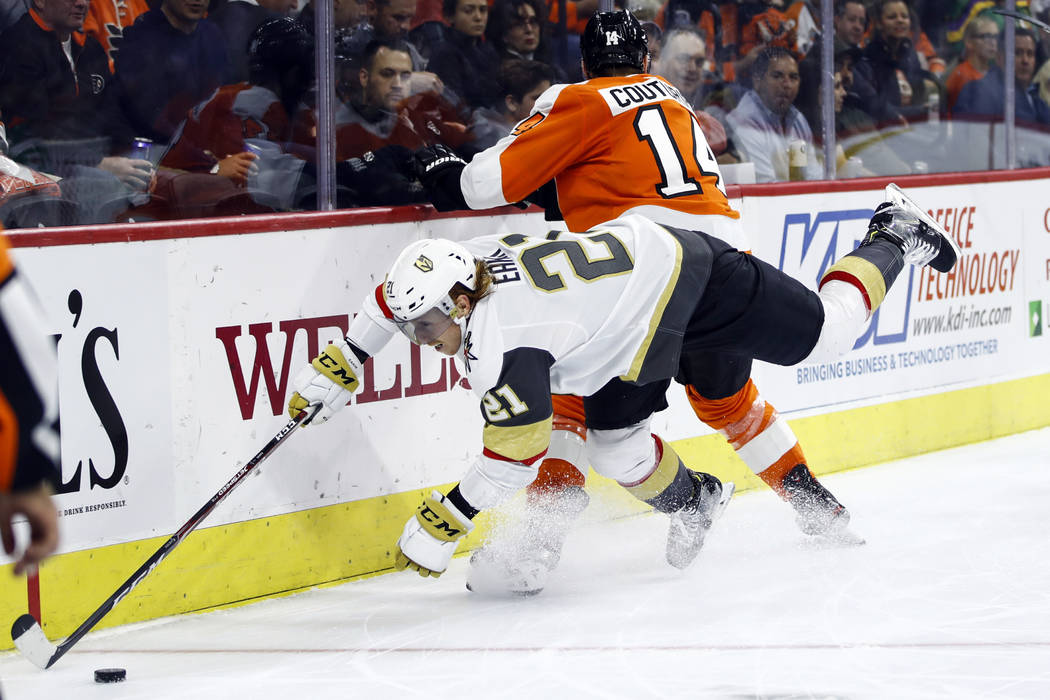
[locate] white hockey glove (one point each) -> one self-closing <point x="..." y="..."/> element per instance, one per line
<point x="329" y="381"/>
<point x="430" y="537"/>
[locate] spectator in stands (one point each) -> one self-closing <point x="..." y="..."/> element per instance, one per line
<point x="682" y="61"/>
<point x="107" y="19"/>
<point x="767" y="23"/>
<point x="369" y="119"/>
<point x="238" y="20"/>
<point x="58" y="105"/>
<point x="522" y="82"/>
<point x="565" y="38"/>
<point x="348" y="16"/>
<point x="683" y="58"/>
<point x="889" y="78"/>
<point x="170" y="60"/>
<point x="516" y="29"/>
<point x="376" y="135"/>
<point x="810" y="93"/>
<point x="393" y="19"/>
<point x="353" y="31"/>
<point x="959" y="13"/>
<point x="466" y="64"/>
<point x="981" y="39"/>
<point x="851" y="22"/>
<point x="244" y="132"/>
<point x="766" y="123"/>
<point x="1042" y="80"/>
<point x="984" y="98"/>
<point x="861" y="150"/>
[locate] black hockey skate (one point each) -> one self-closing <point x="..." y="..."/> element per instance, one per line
<point x="521" y="563"/>
<point x="819" y="512"/>
<point x="689" y="524"/>
<point x="922" y="240"/>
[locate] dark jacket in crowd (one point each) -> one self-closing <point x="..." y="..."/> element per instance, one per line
<point x="875" y="81"/>
<point x="469" y="66"/>
<point x="161" y="73"/>
<point x="237" y="20"/>
<point x="39" y="95"/>
<point x="985" y="97"/>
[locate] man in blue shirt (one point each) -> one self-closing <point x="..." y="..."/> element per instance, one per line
<point x="765" y="122"/>
<point x="171" y="59"/>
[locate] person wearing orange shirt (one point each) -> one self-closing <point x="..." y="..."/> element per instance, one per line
<point x="981" y="38"/>
<point x="626" y="142"/>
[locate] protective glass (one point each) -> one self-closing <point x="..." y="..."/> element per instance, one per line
<point x="427" y="328"/>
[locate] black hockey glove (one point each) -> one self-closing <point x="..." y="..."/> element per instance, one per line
<point x="381" y="178"/>
<point x="438" y="169"/>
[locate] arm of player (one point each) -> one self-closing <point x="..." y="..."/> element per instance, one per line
<point x="334" y="375"/>
<point x="431" y="535"/>
<point x="438" y="169"/>
<point x="518" y="418"/>
<point x="329" y="381"/>
<point x="551" y="139"/>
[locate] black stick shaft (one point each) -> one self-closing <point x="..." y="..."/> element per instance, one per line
<point x="173" y="541"/>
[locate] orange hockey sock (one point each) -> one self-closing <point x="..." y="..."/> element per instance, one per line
<point x="753" y="428"/>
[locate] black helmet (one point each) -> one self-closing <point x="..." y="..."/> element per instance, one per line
<point x="613" y="39"/>
<point x="279" y="45"/>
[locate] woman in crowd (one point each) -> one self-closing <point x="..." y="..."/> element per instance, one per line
<point x="889" y="79"/>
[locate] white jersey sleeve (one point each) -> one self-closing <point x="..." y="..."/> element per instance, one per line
<point x="372" y="328"/>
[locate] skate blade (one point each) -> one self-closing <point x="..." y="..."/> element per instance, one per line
<point x="490" y="576"/>
<point x="896" y="195"/>
<point x="497" y="592"/>
<point x="728" y="489"/>
<point x="837" y="539"/>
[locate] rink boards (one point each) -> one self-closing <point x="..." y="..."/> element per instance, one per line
<point x="178" y="343"/>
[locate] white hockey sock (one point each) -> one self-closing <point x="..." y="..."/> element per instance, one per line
<point x="845" y="314"/>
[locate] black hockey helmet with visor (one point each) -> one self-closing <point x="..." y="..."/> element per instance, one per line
<point x="613" y="39"/>
<point x="417" y="287"/>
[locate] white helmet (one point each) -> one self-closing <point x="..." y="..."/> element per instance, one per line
<point x="418" y="284"/>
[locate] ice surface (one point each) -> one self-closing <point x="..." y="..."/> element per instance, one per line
<point x="949" y="598"/>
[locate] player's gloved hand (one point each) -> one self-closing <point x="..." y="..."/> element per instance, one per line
<point x="430" y="537"/>
<point x="330" y="379"/>
<point x="438" y="169"/>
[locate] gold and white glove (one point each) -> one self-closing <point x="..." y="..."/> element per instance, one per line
<point x="430" y="537"/>
<point x="329" y="381"/>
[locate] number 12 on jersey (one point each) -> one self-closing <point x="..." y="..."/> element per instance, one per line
<point x="651" y="125"/>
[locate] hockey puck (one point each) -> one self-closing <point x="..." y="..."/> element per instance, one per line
<point x="110" y="675"/>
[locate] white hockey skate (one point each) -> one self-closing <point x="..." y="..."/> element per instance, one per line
<point x="689" y="524"/>
<point x="923" y="240"/>
<point x="521" y="561"/>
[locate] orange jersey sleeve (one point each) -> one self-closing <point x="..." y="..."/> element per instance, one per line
<point x="611" y="145"/>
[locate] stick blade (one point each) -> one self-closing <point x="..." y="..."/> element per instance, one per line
<point x="30" y="639"/>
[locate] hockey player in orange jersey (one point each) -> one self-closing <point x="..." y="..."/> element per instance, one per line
<point x="624" y="142"/>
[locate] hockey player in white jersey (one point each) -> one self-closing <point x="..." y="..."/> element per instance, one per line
<point x="610" y="315"/>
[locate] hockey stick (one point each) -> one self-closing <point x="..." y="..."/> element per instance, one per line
<point x="1023" y="18"/>
<point x="26" y="632"/>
